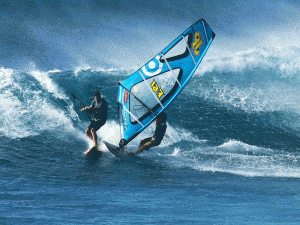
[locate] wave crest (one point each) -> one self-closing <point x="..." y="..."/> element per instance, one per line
<point x="285" y="60"/>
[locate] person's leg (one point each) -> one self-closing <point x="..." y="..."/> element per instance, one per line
<point x="94" y="137"/>
<point x="144" y="145"/>
<point x="150" y="144"/>
<point x="144" y="141"/>
<point x="88" y="133"/>
<point x="96" y="126"/>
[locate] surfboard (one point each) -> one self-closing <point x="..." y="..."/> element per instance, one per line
<point x="119" y="152"/>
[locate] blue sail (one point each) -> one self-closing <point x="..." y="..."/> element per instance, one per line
<point x="152" y="88"/>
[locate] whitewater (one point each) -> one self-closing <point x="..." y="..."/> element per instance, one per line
<point x="230" y="153"/>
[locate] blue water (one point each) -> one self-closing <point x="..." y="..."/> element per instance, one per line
<point x="230" y="154"/>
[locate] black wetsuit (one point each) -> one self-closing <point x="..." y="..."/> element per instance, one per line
<point x="156" y="139"/>
<point x="100" y="114"/>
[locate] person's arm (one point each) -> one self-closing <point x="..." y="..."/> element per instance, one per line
<point x="155" y="133"/>
<point x="89" y="108"/>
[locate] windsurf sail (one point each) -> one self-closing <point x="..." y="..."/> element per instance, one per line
<point x="153" y="87"/>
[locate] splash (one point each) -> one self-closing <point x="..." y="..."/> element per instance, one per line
<point x="110" y="132"/>
<point x="109" y="71"/>
<point x="83" y="68"/>
<point x="283" y="59"/>
<point x="26" y="110"/>
<point x="259" y="80"/>
<point x="55" y="71"/>
<point x="46" y="82"/>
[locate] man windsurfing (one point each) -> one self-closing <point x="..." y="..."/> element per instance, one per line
<point x="155" y="140"/>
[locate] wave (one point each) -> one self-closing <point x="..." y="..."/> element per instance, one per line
<point x="38" y="101"/>
<point x="262" y="81"/>
<point x="110" y="71"/>
<point x="265" y="79"/>
<point x="32" y="103"/>
<point x="46" y="82"/>
<point x="55" y="71"/>
<point x="238" y="158"/>
<point x="35" y="101"/>
<point x="285" y="60"/>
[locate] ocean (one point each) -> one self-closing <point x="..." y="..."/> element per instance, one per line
<point x="230" y="154"/>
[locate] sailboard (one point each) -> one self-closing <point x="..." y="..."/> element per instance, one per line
<point x="117" y="151"/>
<point x="153" y="87"/>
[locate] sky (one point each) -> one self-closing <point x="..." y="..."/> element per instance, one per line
<point x="126" y="34"/>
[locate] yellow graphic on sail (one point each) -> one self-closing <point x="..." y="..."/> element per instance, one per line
<point x="198" y="41"/>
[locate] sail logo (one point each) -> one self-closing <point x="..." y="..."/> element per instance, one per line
<point x="152" y="68"/>
<point x="156" y="89"/>
<point x="198" y="41"/>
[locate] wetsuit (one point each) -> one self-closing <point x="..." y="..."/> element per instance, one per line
<point x="100" y="114"/>
<point x="150" y="142"/>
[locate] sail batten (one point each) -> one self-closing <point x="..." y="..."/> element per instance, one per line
<point x="171" y="70"/>
<point x="136" y="119"/>
<point x="187" y="45"/>
<point x="205" y="32"/>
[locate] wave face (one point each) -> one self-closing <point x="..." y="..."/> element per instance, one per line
<point x="31" y="103"/>
<point x="240" y="111"/>
<point x="261" y="82"/>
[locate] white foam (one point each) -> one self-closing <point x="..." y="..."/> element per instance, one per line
<point x="286" y="58"/>
<point x="46" y="82"/>
<point x="251" y="95"/>
<point x="11" y="110"/>
<point x="176" y="152"/>
<point x="6" y="79"/>
<point x="84" y="67"/>
<point x="233" y="146"/>
<point x="25" y="112"/>
<point x="55" y="71"/>
<point x="112" y="70"/>
<point x="176" y="134"/>
<point x="110" y="132"/>
<point x="239" y="158"/>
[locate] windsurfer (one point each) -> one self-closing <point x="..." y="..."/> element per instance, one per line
<point x="155" y="140"/>
<point x="99" y="110"/>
